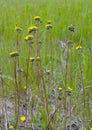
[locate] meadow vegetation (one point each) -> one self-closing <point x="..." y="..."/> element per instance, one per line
<point x="45" y="65"/>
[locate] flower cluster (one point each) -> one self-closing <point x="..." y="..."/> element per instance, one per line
<point x="32" y="29"/>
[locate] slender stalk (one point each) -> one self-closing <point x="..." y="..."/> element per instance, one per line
<point x="16" y="93"/>
<point x="44" y="88"/>
<point x="66" y="74"/>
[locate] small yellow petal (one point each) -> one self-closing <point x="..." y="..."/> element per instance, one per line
<point x="14" y="54"/>
<point x="78" y="47"/>
<point x="11" y="127"/>
<point x="60" y="89"/>
<point x="70" y="89"/>
<point x="48" y="71"/>
<point x="23" y="118"/>
<point x="31" y="58"/>
<point x="38" y="18"/>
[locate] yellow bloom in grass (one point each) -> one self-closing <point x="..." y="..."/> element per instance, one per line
<point x="71" y="28"/>
<point x="60" y="89"/>
<point x="70" y="89"/>
<point x="49" y="22"/>
<point x="32" y="59"/>
<point x="23" y="118"/>
<point x="17" y="28"/>
<point x="78" y="47"/>
<point x="29" y="37"/>
<point x="11" y="127"/>
<point x="25" y="87"/>
<point x="90" y="128"/>
<point x="32" y="29"/>
<point x="48" y="26"/>
<point x="37" y="18"/>
<point x="48" y="71"/>
<point x="14" y="54"/>
<point x="38" y="58"/>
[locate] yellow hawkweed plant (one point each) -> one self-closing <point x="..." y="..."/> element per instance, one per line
<point x="78" y="47"/>
<point x="49" y="22"/>
<point x="25" y="87"/>
<point x="22" y="118"/>
<point x="71" y="28"/>
<point x="49" y="26"/>
<point x="17" y="28"/>
<point x="32" y="29"/>
<point x="70" y="89"/>
<point x="11" y="127"/>
<point x="37" y="18"/>
<point x="29" y="37"/>
<point x="14" y="53"/>
<point x="59" y="88"/>
<point x="48" y="71"/>
<point x="31" y="59"/>
<point x="38" y="58"/>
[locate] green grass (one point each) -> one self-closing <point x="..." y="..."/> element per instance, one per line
<point x="78" y="71"/>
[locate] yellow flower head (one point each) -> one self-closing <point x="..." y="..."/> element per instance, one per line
<point x="25" y="87"/>
<point x="11" y="127"/>
<point x="90" y="128"/>
<point x="48" y="71"/>
<point x="70" y="89"/>
<point x="71" y="28"/>
<point x="29" y="37"/>
<point x="32" y="29"/>
<point x="38" y="58"/>
<point x="49" y="22"/>
<point x="37" y="18"/>
<point x="18" y="29"/>
<point x="60" y="89"/>
<point x="78" y="47"/>
<point x="48" y="26"/>
<point x="23" y="118"/>
<point x="14" y="54"/>
<point x="31" y="59"/>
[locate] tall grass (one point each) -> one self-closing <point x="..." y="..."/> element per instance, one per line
<point x="68" y="67"/>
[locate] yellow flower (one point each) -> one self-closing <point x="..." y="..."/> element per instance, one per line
<point x="38" y="58"/>
<point x="70" y="89"/>
<point x="48" y="71"/>
<point x="49" y="22"/>
<point x="11" y="127"/>
<point x="31" y="59"/>
<point x="23" y="118"/>
<point x="25" y="87"/>
<point x="14" y="54"/>
<point x="48" y="26"/>
<point x="19" y="29"/>
<point x="32" y="29"/>
<point x="90" y="128"/>
<point x="78" y="47"/>
<point x="29" y="37"/>
<point x="59" y="88"/>
<point x="37" y="18"/>
<point x="71" y="28"/>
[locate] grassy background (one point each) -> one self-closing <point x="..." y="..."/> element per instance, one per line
<point x="62" y="13"/>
